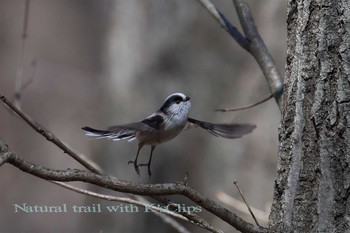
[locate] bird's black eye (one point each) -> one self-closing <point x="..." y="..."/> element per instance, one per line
<point x="172" y="100"/>
<point x="178" y="99"/>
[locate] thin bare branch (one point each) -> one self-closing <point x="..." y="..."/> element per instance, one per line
<point x="142" y="203"/>
<point x="244" y="107"/>
<point x="259" y="50"/>
<point x="29" y="81"/>
<point x="19" y="70"/>
<point x="242" y="196"/>
<point x="240" y="206"/>
<point x="191" y="216"/>
<point x="251" y="42"/>
<point x="128" y="187"/>
<point x="225" y="24"/>
<point x="170" y="221"/>
<point x="167" y="219"/>
<point x="82" y="159"/>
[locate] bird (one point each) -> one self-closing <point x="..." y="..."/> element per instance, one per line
<point x="164" y="125"/>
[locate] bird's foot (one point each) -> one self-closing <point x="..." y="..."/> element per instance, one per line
<point x="136" y="166"/>
<point x="148" y="166"/>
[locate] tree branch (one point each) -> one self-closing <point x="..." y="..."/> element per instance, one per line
<point x="142" y="203"/>
<point x="82" y="159"/>
<point x="128" y="187"/>
<point x="225" y="24"/>
<point x="19" y="69"/>
<point x="259" y="50"/>
<point x="240" y="206"/>
<point x="251" y="42"/>
<point x="190" y="216"/>
<point x="244" y="107"/>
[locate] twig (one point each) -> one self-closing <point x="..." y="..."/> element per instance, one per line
<point x="117" y="199"/>
<point x="142" y="203"/>
<point x="240" y="206"/>
<point x="244" y="107"/>
<point x="5" y="156"/>
<point x="52" y="138"/>
<point x="128" y="187"/>
<point x="190" y="216"/>
<point x="250" y="210"/>
<point x="168" y="220"/>
<point x="225" y="24"/>
<point x="19" y="70"/>
<point x="251" y="42"/>
<point x="259" y="50"/>
<point x="30" y="80"/>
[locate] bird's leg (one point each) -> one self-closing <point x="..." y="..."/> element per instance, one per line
<point x="136" y="166"/>
<point x="149" y="161"/>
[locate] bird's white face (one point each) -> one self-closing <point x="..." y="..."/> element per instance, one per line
<point x="177" y="105"/>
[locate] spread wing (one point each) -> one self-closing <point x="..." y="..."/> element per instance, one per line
<point x="127" y="131"/>
<point x="222" y="130"/>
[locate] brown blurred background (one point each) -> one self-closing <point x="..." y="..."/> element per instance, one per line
<point x="104" y="62"/>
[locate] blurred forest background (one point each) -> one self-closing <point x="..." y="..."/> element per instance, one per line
<point x="107" y="62"/>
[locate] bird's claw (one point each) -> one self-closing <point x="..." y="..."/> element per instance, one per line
<point x="137" y="169"/>
<point x="136" y="166"/>
<point x="148" y="166"/>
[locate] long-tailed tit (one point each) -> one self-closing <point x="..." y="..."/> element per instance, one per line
<point x="164" y="125"/>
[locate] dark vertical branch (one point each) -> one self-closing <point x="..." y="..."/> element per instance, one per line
<point x="19" y="70"/>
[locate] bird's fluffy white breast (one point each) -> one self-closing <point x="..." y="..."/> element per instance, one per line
<point x="177" y="115"/>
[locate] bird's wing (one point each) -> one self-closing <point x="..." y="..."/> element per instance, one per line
<point x="222" y="130"/>
<point x="154" y="121"/>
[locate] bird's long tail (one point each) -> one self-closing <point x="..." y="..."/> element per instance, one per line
<point x="109" y="134"/>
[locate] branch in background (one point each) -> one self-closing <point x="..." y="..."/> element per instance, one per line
<point x="19" y="70"/>
<point x="244" y="107"/>
<point x="246" y="203"/>
<point x="82" y="159"/>
<point x="225" y="24"/>
<point x="128" y="187"/>
<point x="167" y="219"/>
<point x="240" y="206"/>
<point x="18" y="93"/>
<point x="260" y="51"/>
<point x="190" y="216"/>
<point x="251" y="42"/>
<point x="142" y="203"/>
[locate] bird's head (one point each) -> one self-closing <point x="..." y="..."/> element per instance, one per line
<point x="175" y="104"/>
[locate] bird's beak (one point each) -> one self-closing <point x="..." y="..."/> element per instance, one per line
<point x="187" y="98"/>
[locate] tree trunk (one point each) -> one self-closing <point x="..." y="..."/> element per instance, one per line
<point x="312" y="185"/>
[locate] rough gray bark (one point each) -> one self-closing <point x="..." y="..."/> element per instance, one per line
<point x="312" y="185"/>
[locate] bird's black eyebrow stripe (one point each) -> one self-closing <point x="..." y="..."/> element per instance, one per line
<point x="170" y="101"/>
<point x="154" y="121"/>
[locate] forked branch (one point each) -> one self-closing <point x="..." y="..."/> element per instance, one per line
<point x="252" y="42"/>
<point x="7" y="156"/>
